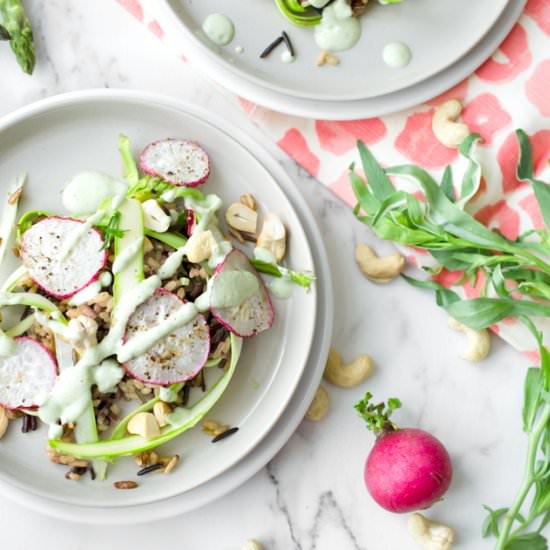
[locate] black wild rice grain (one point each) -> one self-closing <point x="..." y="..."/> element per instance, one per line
<point x="92" y="473"/>
<point x="271" y="47"/>
<point x="288" y="43"/>
<point x="31" y="423"/>
<point x="149" y="469"/>
<point x="185" y="394"/>
<point x="225" y="434"/>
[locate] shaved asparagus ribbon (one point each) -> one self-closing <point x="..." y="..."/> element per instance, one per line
<point x="9" y="215"/>
<point x="131" y="445"/>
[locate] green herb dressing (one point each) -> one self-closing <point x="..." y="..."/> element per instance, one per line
<point x="124" y="258"/>
<point x="219" y="29"/>
<point x="92" y="290"/>
<point x="338" y="29"/>
<point x="232" y="288"/>
<point x="396" y="55"/>
<point x="86" y="191"/>
<point x="72" y="240"/>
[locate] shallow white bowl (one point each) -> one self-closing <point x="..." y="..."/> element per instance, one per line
<point x="437" y="33"/>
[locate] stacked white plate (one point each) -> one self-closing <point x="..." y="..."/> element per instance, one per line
<point x="279" y="370"/>
<point x="448" y="40"/>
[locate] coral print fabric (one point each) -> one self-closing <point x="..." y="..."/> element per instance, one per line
<point x="510" y="90"/>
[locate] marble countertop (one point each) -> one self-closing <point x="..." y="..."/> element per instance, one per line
<point x="311" y="496"/>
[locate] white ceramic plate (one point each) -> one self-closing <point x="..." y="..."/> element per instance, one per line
<point x="335" y="110"/>
<point x="437" y="33"/>
<point x="287" y="423"/>
<point x="54" y="139"/>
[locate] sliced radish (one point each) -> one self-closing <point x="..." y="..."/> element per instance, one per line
<point x="178" y="161"/>
<point x="26" y="376"/>
<point x="255" y="314"/>
<point x="41" y="248"/>
<point x="176" y="358"/>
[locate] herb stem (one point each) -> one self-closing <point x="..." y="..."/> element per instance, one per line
<point x="528" y="480"/>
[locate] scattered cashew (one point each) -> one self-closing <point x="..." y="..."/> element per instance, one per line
<point x="161" y="410"/>
<point x="241" y="217"/>
<point x="272" y="237"/>
<point x="430" y="535"/>
<point x="154" y="217"/>
<point x="376" y="269"/>
<point x="479" y="341"/>
<point x="3" y="422"/>
<point x="252" y="545"/>
<point x="350" y="375"/>
<point x="145" y="425"/>
<point x="445" y="126"/>
<point x="319" y="406"/>
<point x="200" y="245"/>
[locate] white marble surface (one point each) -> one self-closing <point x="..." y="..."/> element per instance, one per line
<point x="311" y="496"/>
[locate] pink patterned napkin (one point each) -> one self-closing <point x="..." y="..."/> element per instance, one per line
<point x="511" y="90"/>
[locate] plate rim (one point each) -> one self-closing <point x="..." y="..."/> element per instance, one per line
<point x="352" y="110"/>
<point x="98" y="95"/>
<point x="284" y="90"/>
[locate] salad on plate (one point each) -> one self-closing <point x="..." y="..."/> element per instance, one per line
<point x="124" y="322"/>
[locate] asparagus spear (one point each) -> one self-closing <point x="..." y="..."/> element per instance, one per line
<point x="16" y="23"/>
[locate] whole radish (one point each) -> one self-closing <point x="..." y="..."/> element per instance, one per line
<point x="407" y="469"/>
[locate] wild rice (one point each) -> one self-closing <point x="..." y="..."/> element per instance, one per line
<point x="225" y="434"/>
<point x="149" y="469"/>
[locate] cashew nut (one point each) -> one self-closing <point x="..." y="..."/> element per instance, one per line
<point x="161" y="410"/>
<point x="347" y="376"/>
<point x="252" y="545"/>
<point x="378" y="270"/>
<point x="272" y="237"/>
<point x="154" y="217"/>
<point x="199" y="246"/>
<point x="241" y="217"/>
<point x="319" y="406"/>
<point x="145" y="425"/>
<point x="81" y="333"/>
<point x="445" y="126"/>
<point x="479" y="341"/>
<point x="248" y="200"/>
<point x="3" y="422"/>
<point x="430" y="535"/>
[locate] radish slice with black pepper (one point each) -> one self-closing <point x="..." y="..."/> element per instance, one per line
<point x="176" y="358"/>
<point x="42" y="253"/>
<point x="177" y="161"/>
<point x="26" y="376"/>
<point x="255" y="313"/>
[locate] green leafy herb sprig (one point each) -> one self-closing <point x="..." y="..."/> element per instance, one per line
<point x="510" y="268"/>
<point x="301" y="278"/>
<point x="377" y="416"/>
<point x="111" y="230"/>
